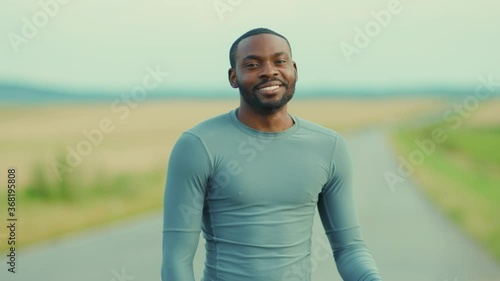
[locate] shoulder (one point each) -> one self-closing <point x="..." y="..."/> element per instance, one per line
<point x="194" y="143"/>
<point x="327" y="141"/>
<point x="318" y="131"/>
<point x="211" y="126"/>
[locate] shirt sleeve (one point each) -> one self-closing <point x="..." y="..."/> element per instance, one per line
<point x="338" y="216"/>
<point x="187" y="177"/>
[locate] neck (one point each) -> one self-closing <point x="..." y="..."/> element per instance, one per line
<point x="276" y="121"/>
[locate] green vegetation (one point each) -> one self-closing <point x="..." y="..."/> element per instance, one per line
<point x="49" y="208"/>
<point x="73" y="187"/>
<point x="462" y="177"/>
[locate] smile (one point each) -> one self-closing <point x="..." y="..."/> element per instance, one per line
<point x="269" y="89"/>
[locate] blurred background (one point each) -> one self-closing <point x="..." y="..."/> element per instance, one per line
<point x="94" y="94"/>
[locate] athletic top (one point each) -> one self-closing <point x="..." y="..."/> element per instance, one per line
<point x="253" y="195"/>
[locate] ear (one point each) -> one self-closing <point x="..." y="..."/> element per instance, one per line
<point x="231" y="74"/>
<point x="296" y="72"/>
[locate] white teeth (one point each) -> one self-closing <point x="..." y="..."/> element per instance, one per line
<point x="270" y="88"/>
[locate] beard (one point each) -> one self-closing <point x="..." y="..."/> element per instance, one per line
<point x="251" y="97"/>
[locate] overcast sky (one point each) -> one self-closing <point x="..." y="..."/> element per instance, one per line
<point x="108" y="44"/>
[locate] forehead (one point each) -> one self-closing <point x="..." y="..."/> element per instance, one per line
<point x="263" y="45"/>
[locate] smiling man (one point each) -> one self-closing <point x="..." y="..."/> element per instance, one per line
<point x="251" y="180"/>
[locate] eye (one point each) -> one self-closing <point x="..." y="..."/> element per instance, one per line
<point x="251" y="65"/>
<point x="280" y="61"/>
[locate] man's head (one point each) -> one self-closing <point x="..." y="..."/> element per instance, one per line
<point x="263" y="70"/>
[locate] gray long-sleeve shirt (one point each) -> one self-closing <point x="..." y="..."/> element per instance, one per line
<point x="253" y="195"/>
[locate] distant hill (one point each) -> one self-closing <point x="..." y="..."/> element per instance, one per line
<point x="32" y="95"/>
<point x="26" y="94"/>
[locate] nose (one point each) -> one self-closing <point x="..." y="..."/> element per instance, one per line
<point x="268" y="70"/>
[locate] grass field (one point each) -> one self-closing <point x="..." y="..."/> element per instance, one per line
<point x="462" y="175"/>
<point x="124" y="173"/>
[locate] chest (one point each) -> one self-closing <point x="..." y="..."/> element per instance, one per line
<point x="269" y="178"/>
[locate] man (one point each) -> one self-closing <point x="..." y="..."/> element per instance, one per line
<point x="252" y="178"/>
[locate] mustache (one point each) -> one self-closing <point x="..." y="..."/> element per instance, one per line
<point x="270" y="80"/>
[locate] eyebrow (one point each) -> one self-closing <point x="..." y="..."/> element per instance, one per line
<point x="255" y="57"/>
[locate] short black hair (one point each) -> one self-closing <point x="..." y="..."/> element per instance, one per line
<point x="253" y="32"/>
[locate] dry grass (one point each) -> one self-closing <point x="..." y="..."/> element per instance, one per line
<point x="486" y="115"/>
<point x="145" y="138"/>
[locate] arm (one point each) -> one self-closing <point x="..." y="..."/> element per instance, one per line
<point x="188" y="172"/>
<point x="339" y="218"/>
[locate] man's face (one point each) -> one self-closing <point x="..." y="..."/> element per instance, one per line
<point x="264" y="72"/>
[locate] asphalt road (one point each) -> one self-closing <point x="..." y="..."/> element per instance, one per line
<point x="409" y="239"/>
